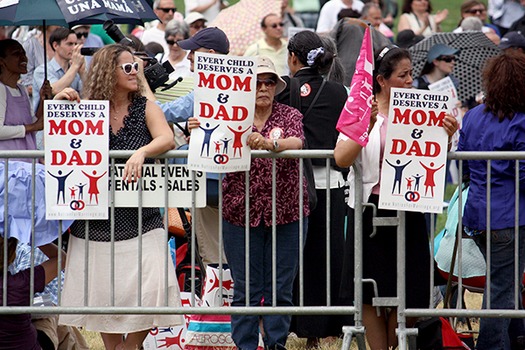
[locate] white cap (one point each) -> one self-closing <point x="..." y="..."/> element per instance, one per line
<point x="194" y="16"/>
<point x="80" y="26"/>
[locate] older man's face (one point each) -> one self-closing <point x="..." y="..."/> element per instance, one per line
<point x="166" y="10"/>
<point x="273" y="27"/>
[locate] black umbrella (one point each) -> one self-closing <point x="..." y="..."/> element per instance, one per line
<point x="475" y="48"/>
<point x="58" y="12"/>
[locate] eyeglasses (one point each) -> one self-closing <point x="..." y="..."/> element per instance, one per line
<point x="268" y="82"/>
<point x="128" y="67"/>
<point x="171" y="42"/>
<point x="447" y="59"/>
<point x="476" y="11"/>
<point x="82" y="34"/>
<point x="275" y="25"/>
<point x="167" y="9"/>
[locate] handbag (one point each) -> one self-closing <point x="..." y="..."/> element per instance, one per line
<point x="176" y="225"/>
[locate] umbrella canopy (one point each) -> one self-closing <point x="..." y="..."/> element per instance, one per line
<point x="57" y="12"/>
<point x="475" y="48"/>
<point x="242" y="22"/>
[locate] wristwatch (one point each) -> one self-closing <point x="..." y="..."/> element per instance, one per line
<point x="275" y="145"/>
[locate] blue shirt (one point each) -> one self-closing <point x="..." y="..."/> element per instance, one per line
<point x="180" y="109"/>
<point x="482" y="131"/>
<point x="54" y="73"/>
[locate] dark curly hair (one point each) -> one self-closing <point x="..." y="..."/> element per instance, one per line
<point x="102" y="76"/>
<point x="503" y="78"/>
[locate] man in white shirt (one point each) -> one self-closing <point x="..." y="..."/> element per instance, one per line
<point x="273" y="44"/>
<point x="165" y="11"/>
<point x="330" y="10"/>
<point x="208" y="8"/>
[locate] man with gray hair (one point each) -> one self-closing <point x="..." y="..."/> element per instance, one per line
<point x="165" y="11"/>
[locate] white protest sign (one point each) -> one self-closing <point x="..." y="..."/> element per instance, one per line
<point x="413" y="169"/>
<point x="447" y="86"/>
<point x="224" y="104"/>
<point x="155" y="181"/>
<point x="76" y="137"/>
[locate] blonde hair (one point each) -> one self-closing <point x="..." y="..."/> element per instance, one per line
<point x="102" y="76"/>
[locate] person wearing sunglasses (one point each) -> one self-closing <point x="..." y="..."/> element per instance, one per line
<point x="135" y="124"/>
<point x="476" y="8"/>
<point x="86" y="38"/>
<point x="439" y="64"/>
<point x="178" y="57"/>
<point x="165" y="11"/>
<point x="273" y="44"/>
<point x="276" y="127"/>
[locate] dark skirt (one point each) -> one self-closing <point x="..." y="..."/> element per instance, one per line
<point x="379" y="258"/>
<point x="315" y="268"/>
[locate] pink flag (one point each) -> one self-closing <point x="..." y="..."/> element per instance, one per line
<point x="355" y="116"/>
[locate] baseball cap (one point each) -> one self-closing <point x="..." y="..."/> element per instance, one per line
<point x="194" y="16"/>
<point x="265" y="65"/>
<point x="208" y="38"/>
<point x="440" y="50"/>
<point x="512" y="39"/>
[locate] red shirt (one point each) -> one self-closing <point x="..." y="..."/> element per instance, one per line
<point x="289" y="120"/>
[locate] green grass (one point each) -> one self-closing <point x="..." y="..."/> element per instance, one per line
<point x="449" y="24"/>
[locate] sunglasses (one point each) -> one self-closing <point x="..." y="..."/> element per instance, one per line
<point x="475" y="11"/>
<point x="447" y="59"/>
<point x="82" y="34"/>
<point x="171" y="42"/>
<point x="267" y="82"/>
<point x="128" y="67"/>
<point x="167" y="9"/>
<point x="275" y="25"/>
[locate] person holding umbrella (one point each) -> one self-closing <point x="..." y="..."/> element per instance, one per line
<point x="440" y="64"/>
<point x="17" y="123"/>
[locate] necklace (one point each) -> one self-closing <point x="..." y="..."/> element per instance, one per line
<point x="118" y="111"/>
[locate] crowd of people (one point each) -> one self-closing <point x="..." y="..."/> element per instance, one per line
<point x="306" y="59"/>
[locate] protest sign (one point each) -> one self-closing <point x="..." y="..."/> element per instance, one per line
<point x="76" y="137"/>
<point x="413" y="169"/>
<point x="447" y="86"/>
<point x="224" y="104"/>
<point x="156" y="180"/>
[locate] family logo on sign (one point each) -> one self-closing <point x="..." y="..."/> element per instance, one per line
<point x="77" y="152"/>
<point x="413" y="174"/>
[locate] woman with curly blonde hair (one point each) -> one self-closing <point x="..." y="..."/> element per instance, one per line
<point x="135" y="124"/>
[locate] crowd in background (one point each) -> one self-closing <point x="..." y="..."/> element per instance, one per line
<point x="307" y="56"/>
